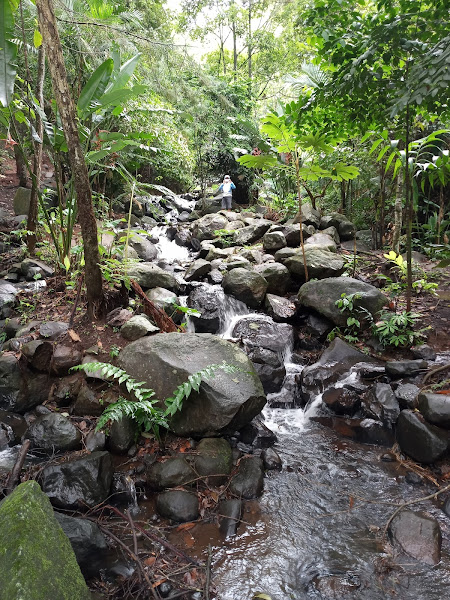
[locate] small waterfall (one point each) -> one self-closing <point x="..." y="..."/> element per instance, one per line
<point x="168" y="249"/>
<point x="233" y="311"/>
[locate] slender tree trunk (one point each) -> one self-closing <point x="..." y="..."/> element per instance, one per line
<point x="342" y="206"/>
<point x="382" y="203"/>
<point x="441" y="213"/>
<point x="409" y="212"/>
<point x="37" y="159"/>
<point x="250" y="48"/>
<point x="398" y="214"/>
<point x="67" y="112"/>
<point x="299" y="196"/>
<point x="233" y="29"/>
<point x="21" y="168"/>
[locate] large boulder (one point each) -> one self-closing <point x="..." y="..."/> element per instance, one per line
<point x="21" y="202"/>
<point x="225" y="402"/>
<point x="36" y="558"/>
<point x="209" y="301"/>
<point x="273" y="241"/>
<point x="277" y="276"/>
<point x="79" y="482"/>
<point x="197" y="270"/>
<point x="174" y="472"/>
<point x="143" y="247"/>
<point x="321" y="240"/>
<point x="150" y="276"/>
<point x="308" y="216"/>
<point x="435" y="408"/>
<point x="20" y="390"/>
<point x="54" y="432"/>
<point x="417" y="534"/>
<point x="260" y="331"/>
<point x="252" y="233"/>
<point x="7" y="298"/>
<point x="421" y="441"/>
<point x="321" y="263"/>
<point x="248" y="286"/>
<point x="205" y="227"/>
<point x="322" y="296"/>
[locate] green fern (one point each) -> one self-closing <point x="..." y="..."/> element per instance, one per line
<point x="144" y="411"/>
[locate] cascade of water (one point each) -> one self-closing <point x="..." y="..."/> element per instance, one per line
<point x="168" y="249"/>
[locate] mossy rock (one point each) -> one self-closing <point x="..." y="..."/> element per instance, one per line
<point x="36" y="559"/>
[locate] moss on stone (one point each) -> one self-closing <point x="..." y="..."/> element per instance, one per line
<point x="36" y="559"/>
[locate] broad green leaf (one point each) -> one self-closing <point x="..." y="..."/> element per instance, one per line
<point x="67" y="263"/>
<point x="125" y="73"/>
<point x="443" y="264"/>
<point x="344" y="172"/>
<point x="263" y="161"/>
<point x="95" y="87"/>
<point x="37" y="38"/>
<point x="117" y="97"/>
<point x="8" y="52"/>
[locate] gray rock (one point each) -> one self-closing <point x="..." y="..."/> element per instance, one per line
<point x="320" y="264"/>
<point x="425" y="352"/>
<point x="215" y="276"/>
<point x="229" y="516"/>
<point x="260" y="331"/>
<point x="322" y="296"/>
<point x="292" y="234"/>
<point x="209" y="302"/>
<point x="418" y="534"/>
<point x="365" y="235"/>
<point x="341" y="400"/>
<point x="95" y="440"/>
<point x="27" y="266"/>
<point x="248" y="482"/>
<point x="346" y="230"/>
<point x="282" y="255"/>
<point x="332" y="233"/>
<point x="277" y="276"/>
<point x="68" y="388"/>
<point x="271" y="460"/>
<point x="166" y="300"/>
<point x="273" y="241"/>
<point x="405" y="368"/>
<point x="178" y="505"/>
<point x="205" y="227"/>
<point x="87" y="403"/>
<point x="435" y="408"/>
<point x="173" y="472"/>
<point x="279" y="308"/>
<point x="38" y="354"/>
<point x="238" y="262"/>
<point x="7" y="298"/>
<point x="143" y="247"/>
<point x="224" y="402"/>
<point x="52" y="330"/>
<point x="252" y="233"/>
<point x="14" y="425"/>
<point x="248" y="286"/>
<point x="380" y="403"/>
<point x="136" y="327"/>
<point x="257" y="434"/>
<point x="423" y="442"/>
<point x="198" y="269"/>
<point x="79" y="482"/>
<point x="150" y="276"/>
<point x="20" y="390"/>
<point x="358" y="244"/>
<point x="53" y="432"/>
<point x="365" y="431"/>
<point x="322" y="241"/>
<point x="309" y="216"/>
<point x="213" y="460"/>
<point x="122" y="435"/>
<point x="407" y="393"/>
<point x="118" y="316"/>
<point x="252" y="254"/>
<point x="317" y="326"/>
<point x="65" y="357"/>
<point x="21" y="202"/>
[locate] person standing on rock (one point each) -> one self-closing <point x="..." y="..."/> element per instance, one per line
<point x="227" y="187"/>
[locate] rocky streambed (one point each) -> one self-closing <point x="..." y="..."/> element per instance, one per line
<point x="292" y="502"/>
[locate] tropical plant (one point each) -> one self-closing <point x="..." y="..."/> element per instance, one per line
<point x="397" y="329"/>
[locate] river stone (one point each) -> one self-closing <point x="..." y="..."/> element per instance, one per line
<point x="321" y="241"/>
<point x="29" y="265"/>
<point x="21" y="202"/>
<point x="292" y="234"/>
<point x="87" y="403"/>
<point x="322" y="296"/>
<point x="54" y="432"/>
<point x="213" y="460"/>
<point x="144" y="248"/>
<point x="238" y="262"/>
<point x="95" y="440"/>
<point x="317" y="326"/>
<point x="418" y="534"/>
<point x="273" y="241"/>
<point x="197" y="270"/>
<point x="252" y="254"/>
<point x="20" y="390"/>
<point x="365" y="431"/>
<point x="36" y="558"/>
<point x="7" y="298"/>
<point x="333" y="233"/>
<point x="173" y="472"/>
<point x="260" y="331"/>
<point x="332" y="220"/>
<point x="277" y="276"/>
<point x="320" y="263"/>
<point x="229" y="516"/>
<point x="150" y="276"/>
<point x="405" y="368"/>
<point x="407" y="393"/>
<point x="347" y="230"/>
<point x="80" y="482"/>
<point x="136" y="327"/>
<point x="271" y="460"/>
<point x="423" y="442"/>
<point x="279" y="308"/>
<point x="118" y="316"/>
<point x="257" y="434"/>
<point x="52" y="330"/>
<point x="224" y="402"/>
<point x="178" y="505"/>
<point x="309" y="216"/>
<point x="248" y="286"/>
<point x="87" y="541"/>
<point x="380" y="403"/>
<point x="38" y="354"/>
<point x="14" y="424"/>
<point x="209" y="302"/>
<point x="122" y="435"/>
<point x="65" y="357"/>
<point x="251" y="234"/>
<point x="205" y="227"/>
<point x="215" y="276"/>
<point x="271" y="373"/>
<point x="341" y="400"/>
<point x="435" y="408"/>
<point x="248" y="482"/>
<point x="425" y="352"/>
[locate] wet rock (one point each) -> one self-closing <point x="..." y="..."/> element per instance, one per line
<point x="366" y="431"/>
<point x="87" y="542"/>
<point x="12" y="326"/>
<point x="183" y="238"/>
<point x="215" y="276"/>
<point x="53" y="432"/>
<point x="21" y="202"/>
<point x="418" y="534"/>
<point x="257" y="434"/>
<point x="136" y="327"/>
<point x="205" y="227"/>
<point x="425" y="352"/>
<point x="405" y="368"/>
<point x="273" y="241"/>
<point x="248" y="482"/>
<point x="320" y="264"/>
<point x="277" y="276"/>
<point x="122" y="435"/>
<point x="380" y="403"/>
<point x="14" y="424"/>
<point x="209" y="302"/>
<point x="79" y="482"/>
<point x="317" y="326"/>
<point x="37" y="561"/>
<point x="309" y="216"/>
<point x="252" y="254"/>
<point x="6" y="436"/>
<point x="238" y="263"/>
<point x="213" y="460"/>
<point x="52" y="330"/>
<point x="173" y="472"/>
<point x="118" y="316"/>
<point x="95" y="440"/>
<point x="87" y="403"/>
<point x="321" y="241"/>
<point x="322" y="296"/>
<point x="446" y="507"/>
<point x="248" y="286"/>
<point x="178" y="505"/>
<point x="229" y="516"/>
<point x="197" y="270"/>
<point x="20" y="390"/>
<point x="292" y="234"/>
<point x="341" y="401"/>
<point x="279" y="308"/>
<point x="29" y="265"/>
<point x="407" y="393"/>
<point x="332" y="232"/>
<point x="251" y="234"/>
<point x="435" y="408"/>
<point x="7" y="298"/>
<point x="414" y="478"/>
<point x="260" y="331"/>
<point x="38" y="354"/>
<point x="270" y="367"/>
<point x="150" y="276"/>
<point x="337" y="587"/>
<point x="423" y="442"/>
<point x="271" y="460"/>
<point x="123" y="490"/>
<point x="225" y="401"/>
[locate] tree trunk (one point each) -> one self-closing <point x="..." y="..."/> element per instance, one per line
<point x="409" y="213"/>
<point x="21" y="168"/>
<point x="398" y="209"/>
<point x="233" y="29"/>
<point x="382" y="204"/>
<point x="250" y="49"/>
<point x="299" y="197"/>
<point x="440" y="214"/>
<point x="67" y="112"/>
<point x="37" y="159"/>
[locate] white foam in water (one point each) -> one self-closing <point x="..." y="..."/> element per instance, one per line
<point x="168" y="249"/>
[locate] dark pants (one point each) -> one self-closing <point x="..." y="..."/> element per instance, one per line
<point x="226" y="202"/>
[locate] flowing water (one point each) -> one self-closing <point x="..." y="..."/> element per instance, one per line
<point x="168" y="249"/>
